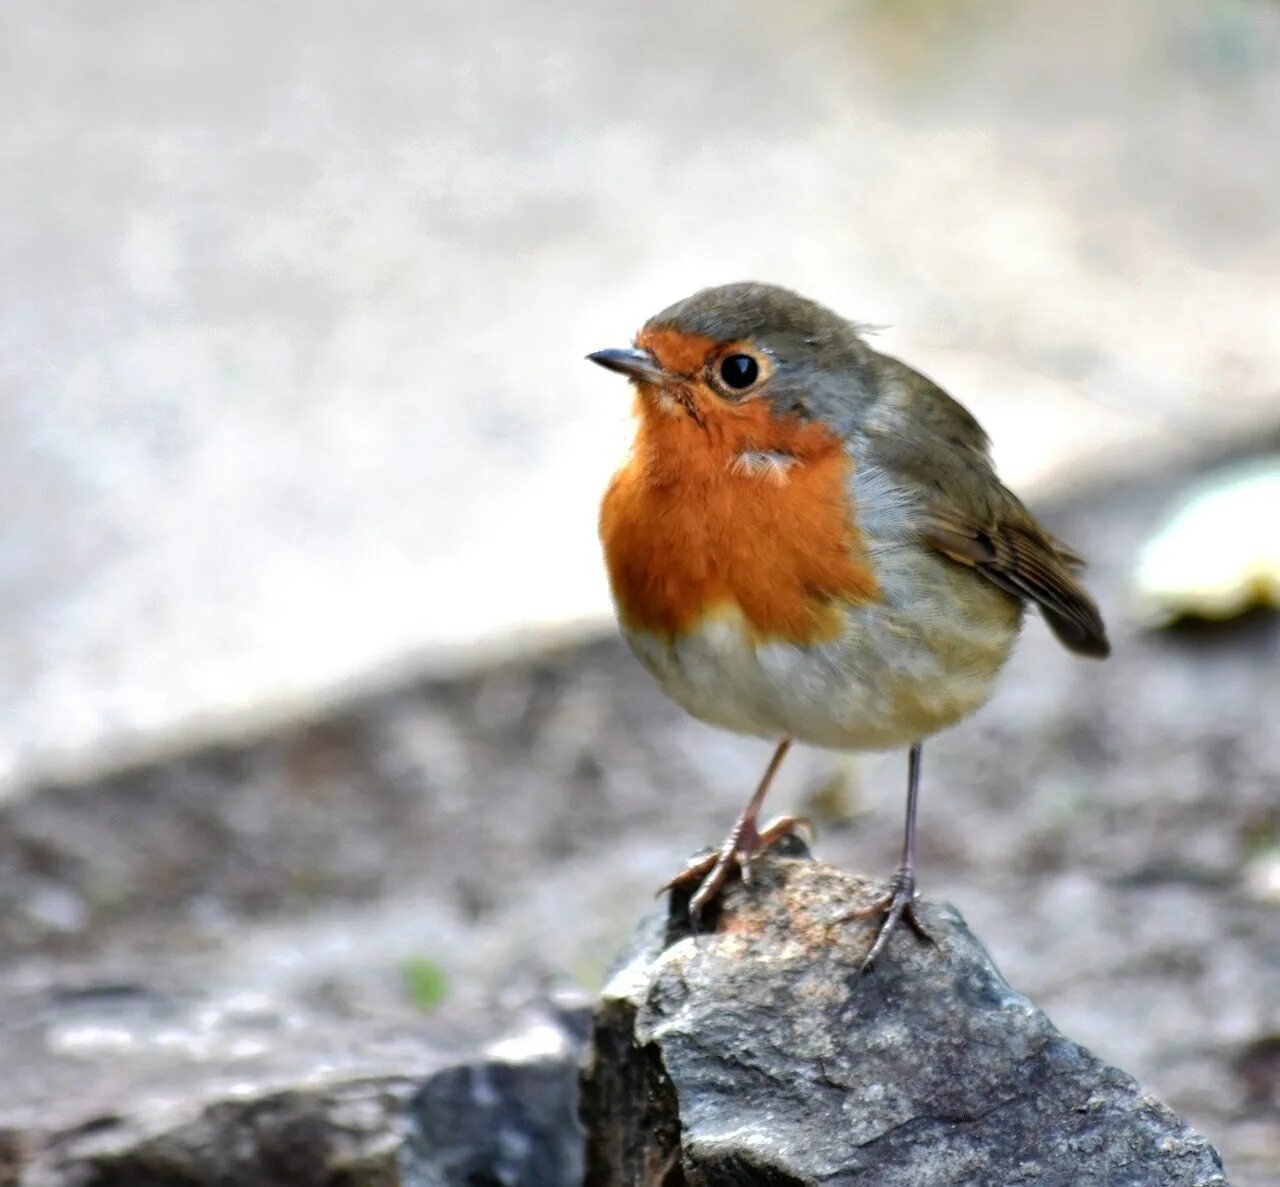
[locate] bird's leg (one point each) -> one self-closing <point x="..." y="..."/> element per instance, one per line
<point x="744" y="841"/>
<point x="897" y="904"/>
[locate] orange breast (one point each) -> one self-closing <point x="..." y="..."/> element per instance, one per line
<point x="685" y="536"/>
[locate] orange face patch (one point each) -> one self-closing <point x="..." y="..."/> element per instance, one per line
<point x="686" y="534"/>
<point x="677" y="352"/>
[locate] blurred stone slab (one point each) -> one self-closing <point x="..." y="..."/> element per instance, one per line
<point x="756" y="1054"/>
<point x="125" y="1088"/>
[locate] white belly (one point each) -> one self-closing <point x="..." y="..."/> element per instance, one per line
<point x="899" y="671"/>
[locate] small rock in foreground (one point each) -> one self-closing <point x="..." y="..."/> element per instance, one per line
<point x="756" y="1055"/>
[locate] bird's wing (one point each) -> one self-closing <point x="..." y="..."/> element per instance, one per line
<point x="933" y="447"/>
<point x="1014" y="552"/>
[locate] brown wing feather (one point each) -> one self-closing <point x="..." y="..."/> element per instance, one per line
<point x="1018" y="556"/>
<point x="931" y="445"/>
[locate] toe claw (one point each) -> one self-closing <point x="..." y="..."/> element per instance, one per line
<point x="898" y="904"/>
<point x="712" y="884"/>
<point x="709" y="873"/>
<point x="913" y="922"/>
<point x="692" y="874"/>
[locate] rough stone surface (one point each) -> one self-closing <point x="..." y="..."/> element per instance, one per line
<point x="756" y="1054"/>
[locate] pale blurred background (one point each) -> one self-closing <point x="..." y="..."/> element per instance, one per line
<point x="307" y="677"/>
<point x="294" y="298"/>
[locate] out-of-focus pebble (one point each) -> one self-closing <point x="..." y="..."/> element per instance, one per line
<point x="1217" y="554"/>
<point x="1262" y="877"/>
<point x="837" y="801"/>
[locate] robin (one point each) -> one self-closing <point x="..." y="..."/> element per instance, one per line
<point x="808" y="542"/>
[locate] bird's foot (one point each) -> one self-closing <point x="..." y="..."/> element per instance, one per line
<point x="893" y="907"/>
<point x="710" y="873"/>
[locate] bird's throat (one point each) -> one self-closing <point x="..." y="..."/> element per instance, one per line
<point x="688" y="532"/>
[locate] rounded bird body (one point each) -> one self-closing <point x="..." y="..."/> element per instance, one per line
<point x="809" y="541"/>
<point x="790" y="596"/>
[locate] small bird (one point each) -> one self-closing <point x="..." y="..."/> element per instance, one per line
<point x="808" y="541"/>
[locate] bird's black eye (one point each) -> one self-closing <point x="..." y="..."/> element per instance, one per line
<point x="739" y="371"/>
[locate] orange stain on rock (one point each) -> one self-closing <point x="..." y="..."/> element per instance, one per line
<point x="686" y="536"/>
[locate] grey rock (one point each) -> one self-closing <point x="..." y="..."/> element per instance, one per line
<point x="513" y="1124"/>
<point x="328" y="1101"/>
<point x="756" y="1054"/>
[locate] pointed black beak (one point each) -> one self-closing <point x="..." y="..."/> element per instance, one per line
<point x="636" y="364"/>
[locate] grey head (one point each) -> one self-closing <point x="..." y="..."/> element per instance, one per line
<point x="813" y="364"/>
<point x="820" y="366"/>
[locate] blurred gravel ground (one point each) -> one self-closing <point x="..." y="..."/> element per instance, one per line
<point x="293" y="296"/>
<point x="1106" y="829"/>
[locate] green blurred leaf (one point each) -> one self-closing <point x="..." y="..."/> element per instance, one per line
<point x="425" y="981"/>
